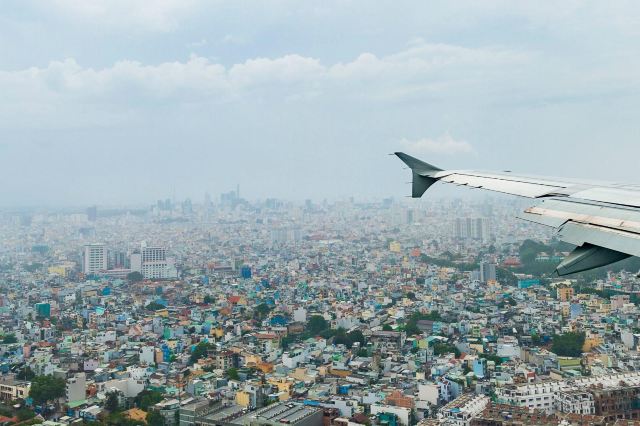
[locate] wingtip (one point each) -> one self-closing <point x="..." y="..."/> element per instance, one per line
<point x="417" y="165"/>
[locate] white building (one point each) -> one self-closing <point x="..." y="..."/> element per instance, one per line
<point x="548" y="396"/>
<point x="153" y="263"/>
<point x="128" y="386"/>
<point x="300" y="314"/>
<point x="460" y="411"/>
<point x="77" y="388"/>
<point x="147" y="355"/>
<point x="576" y="402"/>
<point x="94" y="258"/>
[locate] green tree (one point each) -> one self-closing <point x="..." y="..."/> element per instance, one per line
<point x="232" y="373"/>
<point x="490" y="357"/>
<point x="261" y="311"/>
<point x="147" y="398"/>
<point x="25" y="373"/>
<point x="287" y="340"/>
<point x="387" y="327"/>
<point x="530" y="249"/>
<point x="411" y="327"/>
<point x="200" y="351"/>
<point x="445" y="348"/>
<point x="154" y="418"/>
<point x="112" y="403"/>
<point x="9" y="338"/>
<point x="316" y="324"/>
<point x="208" y="299"/>
<point x="357" y="336"/>
<point x="46" y="388"/>
<point x="118" y="419"/>
<point x="568" y="344"/>
<point x="154" y="306"/>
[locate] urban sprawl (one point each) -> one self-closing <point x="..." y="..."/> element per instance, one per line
<point x="273" y="313"/>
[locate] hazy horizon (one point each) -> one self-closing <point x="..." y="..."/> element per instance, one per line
<point x="119" y="103"/>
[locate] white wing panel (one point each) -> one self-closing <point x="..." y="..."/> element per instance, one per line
<point x="501" y="184"/>
<point x="625" y="197"/>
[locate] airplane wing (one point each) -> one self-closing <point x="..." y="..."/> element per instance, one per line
<point x="601" y="219"/>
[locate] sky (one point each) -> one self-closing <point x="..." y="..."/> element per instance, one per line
<point x="115" y="102"/>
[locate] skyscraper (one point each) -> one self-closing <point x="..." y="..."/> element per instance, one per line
<point x="94" y="258"/>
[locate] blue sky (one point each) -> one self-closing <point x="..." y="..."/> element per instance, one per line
<point x="114" y="102"/>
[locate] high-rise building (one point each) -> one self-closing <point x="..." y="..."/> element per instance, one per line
<point x="94" y="258"/>
<point x="487" y="272"/>
<point x="118" y="260"/>
<point x="153" y="263"/>
<point x="475" y="228"/>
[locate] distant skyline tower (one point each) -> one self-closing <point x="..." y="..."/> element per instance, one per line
<point x="92" y="213"/>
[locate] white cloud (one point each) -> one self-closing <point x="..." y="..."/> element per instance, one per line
<point x="421" y="66"/>
<point x="444" y="144"/>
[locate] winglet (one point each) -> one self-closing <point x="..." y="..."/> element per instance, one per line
<point x="422" y="174"/>
<point x="418" y="166"/>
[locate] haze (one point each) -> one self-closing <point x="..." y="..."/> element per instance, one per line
<point x="115" y="102"/>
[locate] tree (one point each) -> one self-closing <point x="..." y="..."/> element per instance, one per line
<point x="135" y="277"/>
<point x="411" y="327"/>
<point x="387" y="327"/>
<point x="261" y="311"/>
<point x="357" y="336"/>
<point x="9" y="338"/>
<point x="288" y="340"/>
<point x="25" y="373"/>
<point x="232" y="373"/>
<point x="568" y="344"/>
<point x="154" y="306"/>
<point x="118" y="419"/>
<point x="112" y="403"/>
<point x="200" y="351"/>
<point x="46" y="388"/>
<point x="316" y="324"/>
<point x="147" y="398"/>
<point x="208" y="299"/>
<point x="154" y="418"/>
<point x="445" y="348"/>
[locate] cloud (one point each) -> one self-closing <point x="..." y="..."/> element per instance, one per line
<point x="56" y="92"/>
<point x="444" y="144"/>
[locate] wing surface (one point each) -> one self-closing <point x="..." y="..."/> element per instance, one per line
<point x="601" y="219"/>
